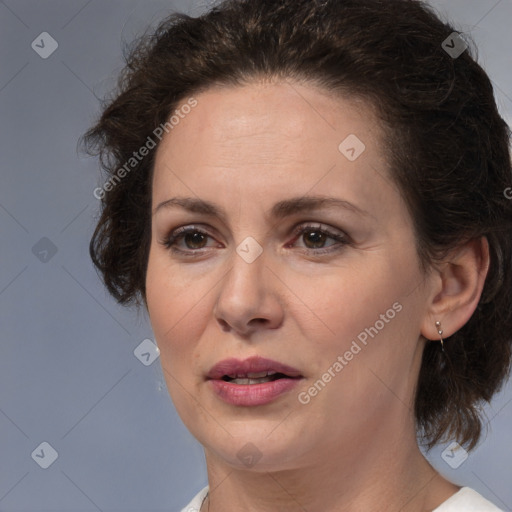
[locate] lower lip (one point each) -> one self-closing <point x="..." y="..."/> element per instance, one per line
<point x="252" y="394"/>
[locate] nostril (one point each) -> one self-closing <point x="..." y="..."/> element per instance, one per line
<point x="224" y="325"/>
<point x="258" y="321"/>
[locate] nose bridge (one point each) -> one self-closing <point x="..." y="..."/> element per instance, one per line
<point x="246" y="296"/>
<point x="244" y="284"/>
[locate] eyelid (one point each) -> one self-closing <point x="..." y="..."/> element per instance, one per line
<point x="304" y="226"/>
<point x="180" y="231"/>
<point x="341" y="237"/>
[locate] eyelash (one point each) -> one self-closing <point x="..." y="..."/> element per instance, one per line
<point x="177" y="235"/>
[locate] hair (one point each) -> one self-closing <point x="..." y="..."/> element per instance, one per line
<point x="447" y="147"/>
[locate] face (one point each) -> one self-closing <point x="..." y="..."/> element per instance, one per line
<point x="280" y="244"/>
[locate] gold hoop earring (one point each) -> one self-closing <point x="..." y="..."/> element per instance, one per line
<point x="440" y="332"/>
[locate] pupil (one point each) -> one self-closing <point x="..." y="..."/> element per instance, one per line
<point x="316" y="238"/>
<point x="195" y="240"/>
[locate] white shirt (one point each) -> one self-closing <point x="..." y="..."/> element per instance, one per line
<point x="465" y="500"/>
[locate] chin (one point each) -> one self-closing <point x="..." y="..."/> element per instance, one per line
<point x="255" y="447"/>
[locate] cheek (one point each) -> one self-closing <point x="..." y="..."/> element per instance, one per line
<point x="344" y="301"/>
<point x="364" y="313"/>
<point x="178" y="311"/>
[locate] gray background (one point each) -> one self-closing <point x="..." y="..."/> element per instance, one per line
<point x="68" y="373"/>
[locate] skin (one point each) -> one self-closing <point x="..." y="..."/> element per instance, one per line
<point x="353" y="446"/>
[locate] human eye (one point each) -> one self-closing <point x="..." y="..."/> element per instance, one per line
<point x="317" y="239"/>
<point x="188" y="241"/>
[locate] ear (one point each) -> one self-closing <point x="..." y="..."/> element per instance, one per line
<point x="457" y="286"/>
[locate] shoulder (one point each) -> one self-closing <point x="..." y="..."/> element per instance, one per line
<point x="467" y="500"/>
<point x="195" y="504"/>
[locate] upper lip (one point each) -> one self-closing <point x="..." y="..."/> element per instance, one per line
<point x="255" y="364"/>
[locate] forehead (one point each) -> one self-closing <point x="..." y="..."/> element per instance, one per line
<point x="262" y="110"/>
<point x="274" y="138"/>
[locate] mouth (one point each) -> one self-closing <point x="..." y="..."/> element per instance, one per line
<point x="253" y="381"/>
<point x="255" y="378"/>
<point x="253" y="370"/>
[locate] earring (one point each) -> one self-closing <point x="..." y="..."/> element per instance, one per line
<point x="440" y="332"/>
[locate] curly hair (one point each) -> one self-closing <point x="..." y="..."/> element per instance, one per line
<point x="447" y="146"/>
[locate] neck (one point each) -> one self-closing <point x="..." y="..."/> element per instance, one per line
<point x="389" y="474"/>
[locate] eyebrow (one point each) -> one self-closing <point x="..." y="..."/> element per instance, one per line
<point x="280" y="210"/>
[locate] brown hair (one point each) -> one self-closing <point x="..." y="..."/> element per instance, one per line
<point x="448" y="150"/>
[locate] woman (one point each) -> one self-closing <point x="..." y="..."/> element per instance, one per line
<point x="308" y="197"/>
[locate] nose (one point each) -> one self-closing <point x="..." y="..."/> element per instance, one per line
<point x="248" y="298"/>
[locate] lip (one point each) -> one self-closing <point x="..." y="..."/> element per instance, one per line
<point x="252" y="364"/>
<point x="251" y="394"/>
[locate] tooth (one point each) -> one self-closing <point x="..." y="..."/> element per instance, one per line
<point x="253" y="375"/>
<point x="242" y="381"/>
<point x="261" y="380"/>
<point x="257" y="375"/>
